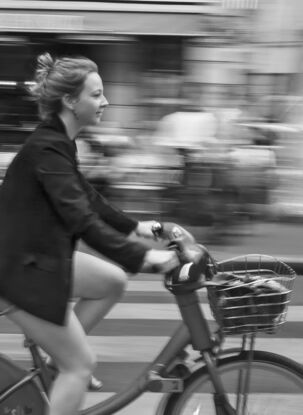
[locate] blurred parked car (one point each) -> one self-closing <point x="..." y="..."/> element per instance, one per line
<point x="6" y="156"/>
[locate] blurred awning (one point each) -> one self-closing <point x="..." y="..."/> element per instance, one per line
<point x="149" y="17"/>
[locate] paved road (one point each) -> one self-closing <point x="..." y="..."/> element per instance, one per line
<point x="138" y="327"/>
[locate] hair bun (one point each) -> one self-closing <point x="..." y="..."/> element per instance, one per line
<point x="44" y="66"/>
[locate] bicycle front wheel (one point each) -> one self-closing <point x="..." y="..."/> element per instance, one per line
<point x="275" y="387"/>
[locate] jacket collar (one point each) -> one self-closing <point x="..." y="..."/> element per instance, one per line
<point x="57" y="124"/>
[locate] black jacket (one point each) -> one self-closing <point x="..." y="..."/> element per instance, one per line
<point x="46" y="205"/>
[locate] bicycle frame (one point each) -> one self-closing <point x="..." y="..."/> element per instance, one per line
<point x="193" y="330"/>
<point x="150" y="379"/>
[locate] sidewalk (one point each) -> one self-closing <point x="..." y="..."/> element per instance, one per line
<point x="282" y="240"/>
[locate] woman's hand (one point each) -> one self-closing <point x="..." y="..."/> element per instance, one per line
<point x="160" y="261"/>
<point x="144" y="229"/>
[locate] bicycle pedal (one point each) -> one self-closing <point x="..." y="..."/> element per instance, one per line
<point x="159" y="384"/>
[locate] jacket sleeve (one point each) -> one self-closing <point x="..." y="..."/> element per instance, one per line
<point x="60" y="181"/>
<point x="107" y="212"/>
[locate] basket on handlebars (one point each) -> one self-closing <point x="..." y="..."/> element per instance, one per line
<point x="252" y="294"/>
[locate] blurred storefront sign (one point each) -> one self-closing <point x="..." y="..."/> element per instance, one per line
<point x="179" y="6"/>
<point x="23" y="22"/>
<point x="120" y="23"/>
<point x="240" y="4"/>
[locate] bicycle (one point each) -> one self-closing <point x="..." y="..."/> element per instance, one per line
<point x="236" y="381"/>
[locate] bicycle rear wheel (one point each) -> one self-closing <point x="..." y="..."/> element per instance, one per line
<point x="276" y="387"/>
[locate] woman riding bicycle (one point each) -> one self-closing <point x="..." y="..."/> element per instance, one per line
<point x="46" y="205"/>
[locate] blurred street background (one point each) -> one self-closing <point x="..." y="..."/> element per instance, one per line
<point x="205" y="119"/>
<point x="204" y="128"/>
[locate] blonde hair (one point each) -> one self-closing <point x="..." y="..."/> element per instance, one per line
<point x="56" y="77"/>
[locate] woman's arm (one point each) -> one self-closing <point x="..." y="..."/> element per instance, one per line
<point x="62" y="186"/>
<point x="107" y="212"/>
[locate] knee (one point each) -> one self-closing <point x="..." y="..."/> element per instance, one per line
<point x="89" y="363"/>
<point x="118" y="283"/>
<point x="85" y="365"/>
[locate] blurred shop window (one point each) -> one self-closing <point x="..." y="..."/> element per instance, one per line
<point x="16" y="106"/>
<point x="160" y="93"/>
<point x="14" y="54"/>
<point x="161" y="77"/>
<point x="162" y="53"/>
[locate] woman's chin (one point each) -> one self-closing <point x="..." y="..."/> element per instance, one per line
<point x="95" y="121"/>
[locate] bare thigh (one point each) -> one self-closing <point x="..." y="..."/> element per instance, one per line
<point x="95" y="278"/>
<point x="67" y="344"/>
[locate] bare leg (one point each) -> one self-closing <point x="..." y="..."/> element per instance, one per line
<point x="68" y="347"/>
<point x="99" y="285"/>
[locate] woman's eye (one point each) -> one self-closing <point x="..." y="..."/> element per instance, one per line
<point x="97" y="94"/>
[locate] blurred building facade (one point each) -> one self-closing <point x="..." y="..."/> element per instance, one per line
<point x="146" y="49"/>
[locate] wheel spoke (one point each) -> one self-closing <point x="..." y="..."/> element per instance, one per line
<point x="272" y="388"/>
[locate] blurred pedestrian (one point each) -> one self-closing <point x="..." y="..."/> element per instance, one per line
<point x="190" y="133"/>
<point x="190" y="127"/>
<point x="46" y="205"/>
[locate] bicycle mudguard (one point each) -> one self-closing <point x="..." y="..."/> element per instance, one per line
<point x="162" y="404"/>
<point x="26" y="399"/>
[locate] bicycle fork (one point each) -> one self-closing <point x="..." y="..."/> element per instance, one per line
<point x="244" y="377"/>
<point x="221" y="402"/>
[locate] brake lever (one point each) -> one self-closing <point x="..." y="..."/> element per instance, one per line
<point x="172" y="232"/>
<point x="178" y="239"/>
<point x="186" y="247"/>
<point x="157" y="230"/>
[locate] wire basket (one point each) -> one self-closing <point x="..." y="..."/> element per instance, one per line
<point x="251" y="294"/>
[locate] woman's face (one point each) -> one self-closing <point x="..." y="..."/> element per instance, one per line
<point x="91" y="102"/>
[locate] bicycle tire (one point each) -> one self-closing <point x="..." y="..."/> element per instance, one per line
<point x="276" y="387"/>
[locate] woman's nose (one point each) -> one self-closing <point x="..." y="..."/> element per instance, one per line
<point x="104" y="102"/>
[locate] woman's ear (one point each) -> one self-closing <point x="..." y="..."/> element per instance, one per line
<point x="68" y="101"/>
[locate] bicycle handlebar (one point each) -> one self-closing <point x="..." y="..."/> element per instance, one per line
<point x="196" y="263"/>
